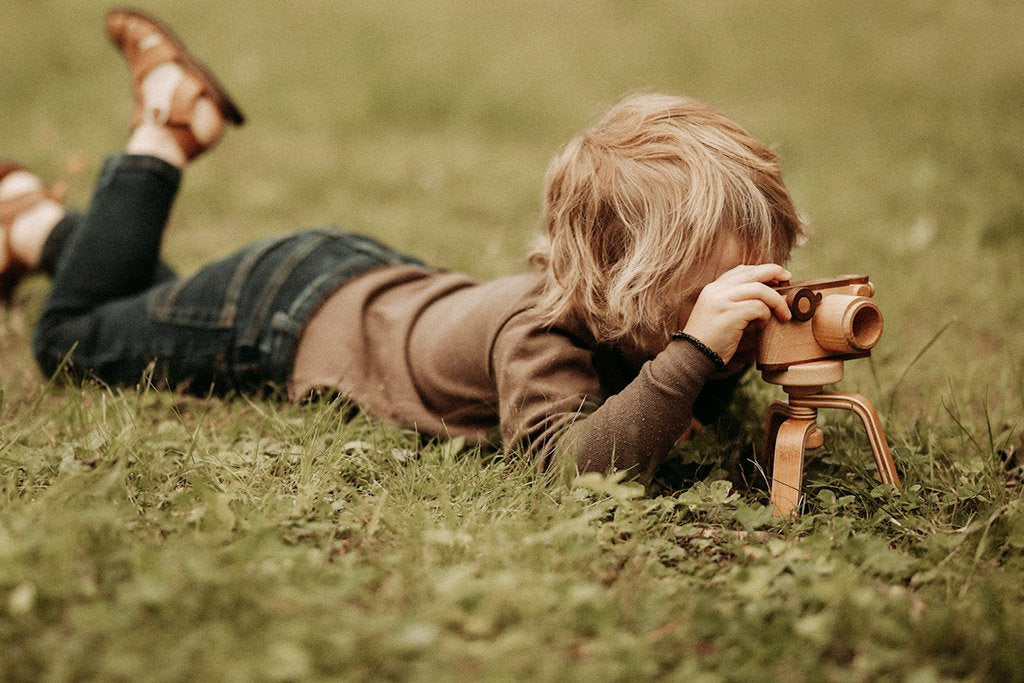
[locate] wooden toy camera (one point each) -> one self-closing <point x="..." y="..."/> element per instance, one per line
<point x="833" y="320"/>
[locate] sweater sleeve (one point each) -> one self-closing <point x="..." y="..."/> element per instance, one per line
<point x="636" y="428"/>
<point x="717" y="395"/>
<point x="551" y="404"/>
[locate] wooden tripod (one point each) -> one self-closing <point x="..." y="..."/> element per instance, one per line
<point x="792" y="427"/>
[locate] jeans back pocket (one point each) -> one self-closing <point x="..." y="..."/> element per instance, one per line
<point x="209" y="298"/>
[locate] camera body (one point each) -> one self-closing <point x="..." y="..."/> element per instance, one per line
<point x="833" y="319"/>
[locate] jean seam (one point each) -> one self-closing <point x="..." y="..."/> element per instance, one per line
<point x="284" y="341"/>
<point x="165" y="307"/>
<point x="273" y="287"/>
<point x="234" y="290"/>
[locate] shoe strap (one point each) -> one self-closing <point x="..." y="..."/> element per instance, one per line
<point x="59" y="190"/>
<point x="13" y="207"/>
<point x="183" y="101"/>
<point x="180" y="110"/>
<point x="145" y="60"/>
<point x="178" y="120"/>
<point x="8" y="167"/>
<point x="10" y="209"/>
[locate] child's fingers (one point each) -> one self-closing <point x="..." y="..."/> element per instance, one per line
<point x="762" y="272"/>
<point x="761" y="292"/>
<point x="753" y="310"/>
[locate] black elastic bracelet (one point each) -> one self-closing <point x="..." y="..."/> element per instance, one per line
<point x="702" y="347"/>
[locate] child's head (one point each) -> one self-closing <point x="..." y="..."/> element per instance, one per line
<point x="637" y="205"/>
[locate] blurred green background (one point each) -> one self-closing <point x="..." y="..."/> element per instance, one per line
<point x="430" y="125"/>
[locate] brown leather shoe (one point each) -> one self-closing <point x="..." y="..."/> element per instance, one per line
<point x="14" y="269"/>
<point x="146" y="43"/>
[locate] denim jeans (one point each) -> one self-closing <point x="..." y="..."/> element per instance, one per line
<point x="115" y="311"/>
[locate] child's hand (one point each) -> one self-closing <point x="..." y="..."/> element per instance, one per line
<point x="737" y="299"/>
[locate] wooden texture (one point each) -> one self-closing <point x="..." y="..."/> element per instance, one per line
<point x="815" y="439"/>
<point x="816" y="374"/>
<point x="821" y="283"/>
<point x="847" y="324"/>
<point x="841" y="323"/>
<point x="788" y="464"/>
<point x="865" y="410"/>
<point x="792" y="429"/>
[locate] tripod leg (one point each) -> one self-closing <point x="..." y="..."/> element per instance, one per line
<point x="788" y="468"/>
<point x="865" y="410"/>
<point x="777" y="414"/>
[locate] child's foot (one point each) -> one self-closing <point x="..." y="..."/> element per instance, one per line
<point x="28" y="212"/>
<point x="178" y="103"/>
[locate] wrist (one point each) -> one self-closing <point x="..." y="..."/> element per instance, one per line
<point x="708" y="352"/>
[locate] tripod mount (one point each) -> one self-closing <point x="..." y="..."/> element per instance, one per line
<point x="792" y="427"/>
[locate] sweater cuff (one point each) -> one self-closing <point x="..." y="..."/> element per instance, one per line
<point x="680" y="368"/>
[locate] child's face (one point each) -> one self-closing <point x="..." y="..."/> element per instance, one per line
<point x="730" y="255"/>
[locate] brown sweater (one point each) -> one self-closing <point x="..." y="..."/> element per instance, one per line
<point x="447" y="355"/>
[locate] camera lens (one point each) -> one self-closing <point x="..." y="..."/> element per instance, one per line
<point x="847" y="324"/>
<point x="865" y="327"/>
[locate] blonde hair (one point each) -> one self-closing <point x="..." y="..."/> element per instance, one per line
<point x="636" y="205"/>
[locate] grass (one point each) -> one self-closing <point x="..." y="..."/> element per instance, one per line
<point x="146" y="535"/>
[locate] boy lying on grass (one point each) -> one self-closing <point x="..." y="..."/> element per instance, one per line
<point x="639" y="314"/>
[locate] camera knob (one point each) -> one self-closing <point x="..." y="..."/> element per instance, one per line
<point x="802" y="304"/>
